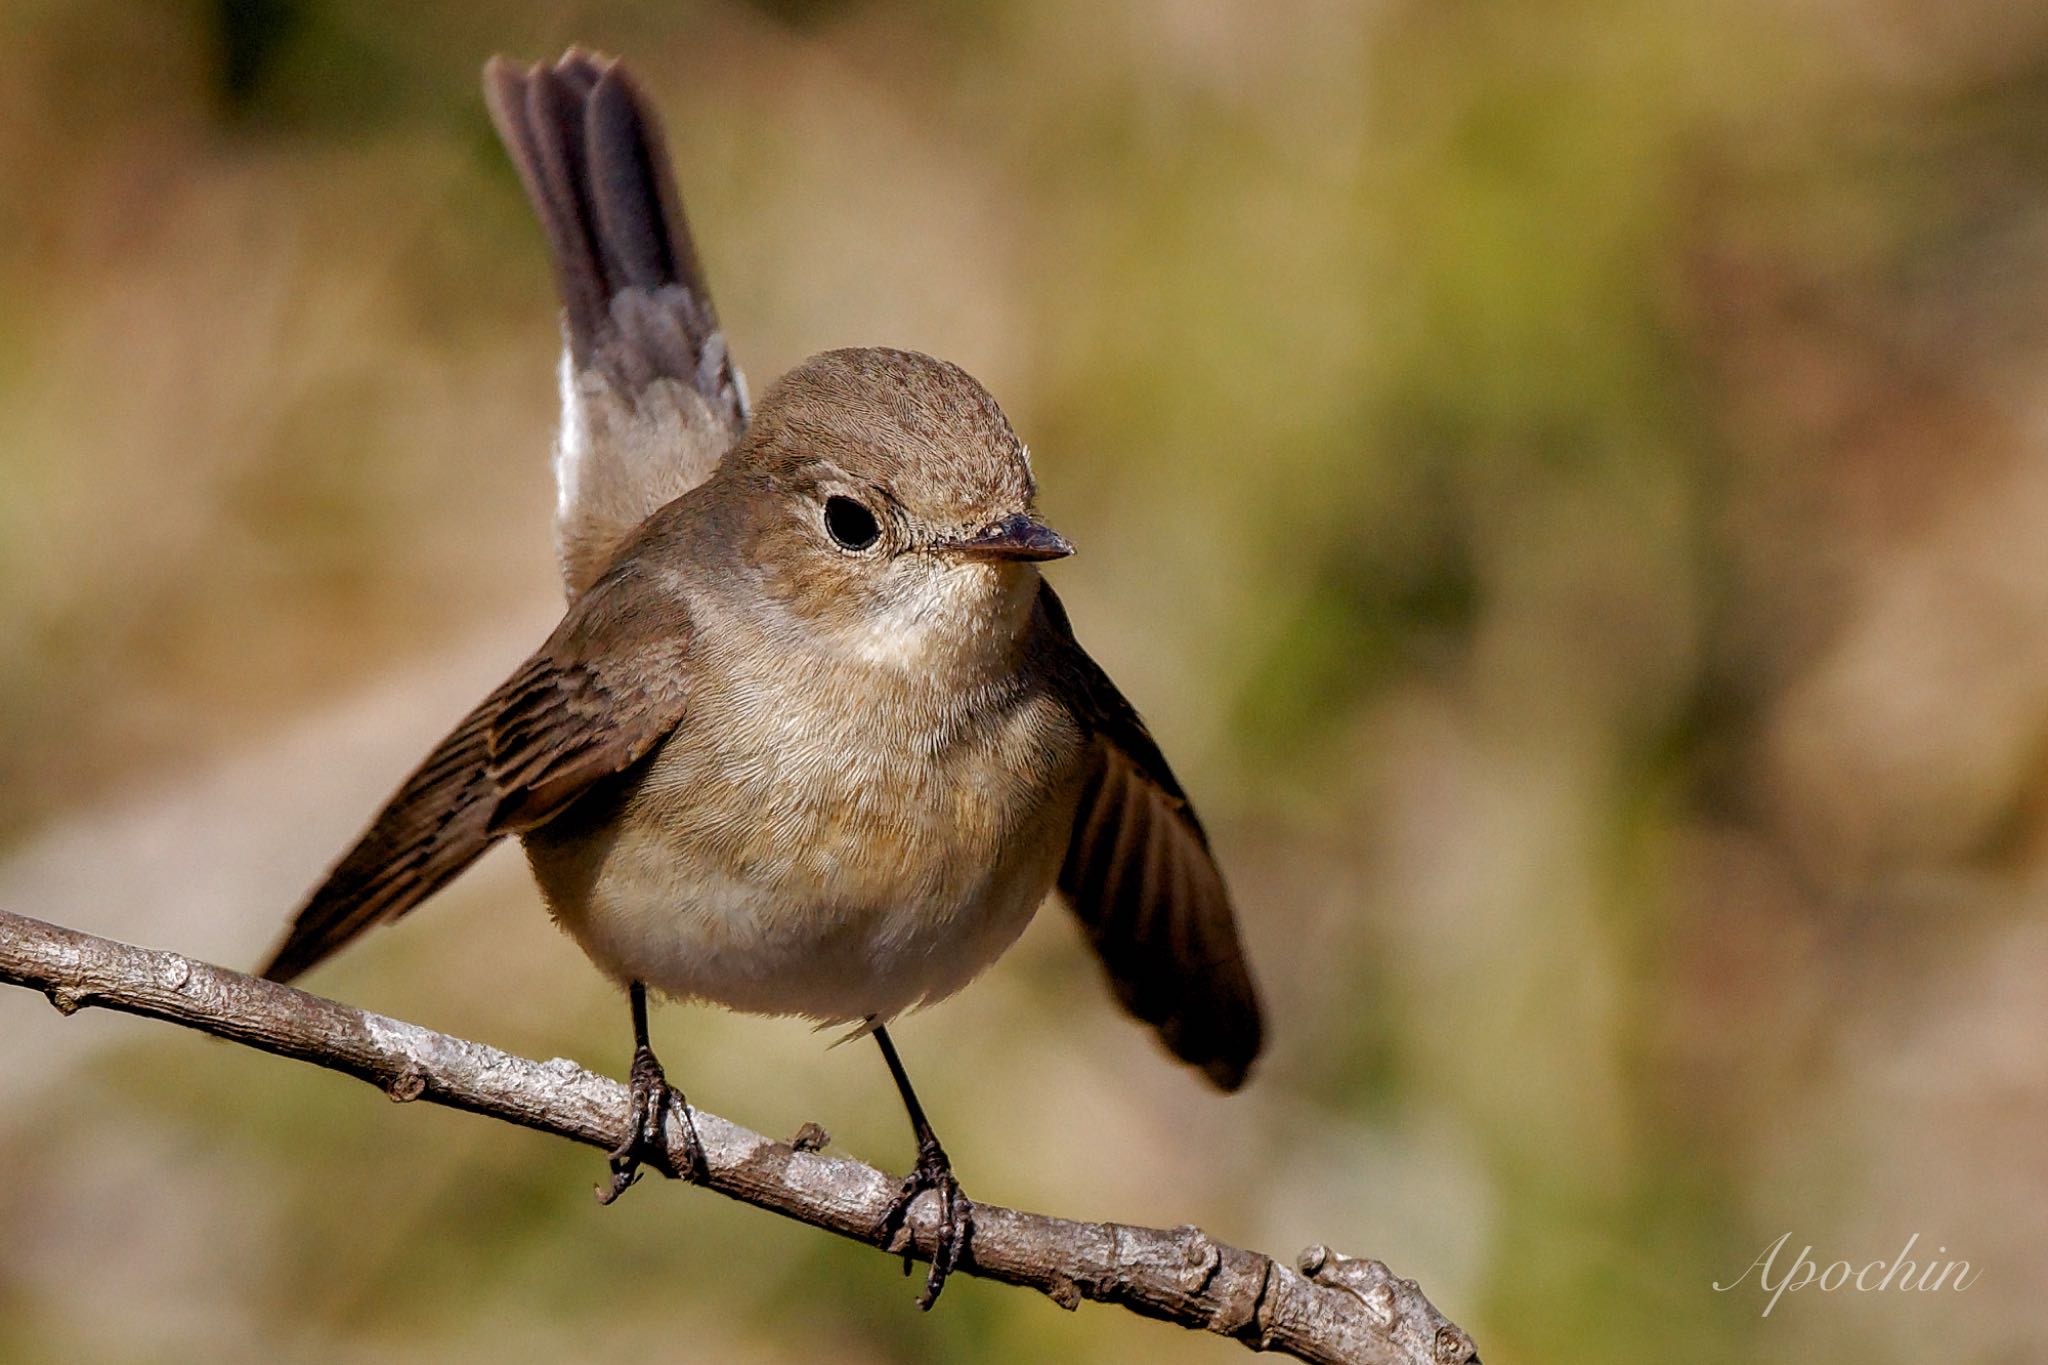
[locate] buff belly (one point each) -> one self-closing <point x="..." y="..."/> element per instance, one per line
<point x="818" y="906"/>
<point x="787" y="947"/>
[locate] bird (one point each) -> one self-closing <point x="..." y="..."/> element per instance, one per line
<point x="814" y="736"/>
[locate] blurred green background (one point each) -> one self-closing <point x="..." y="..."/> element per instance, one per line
<point x="1565" y="480"/>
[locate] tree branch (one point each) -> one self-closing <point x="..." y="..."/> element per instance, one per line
<point x="1334" y="1309"/>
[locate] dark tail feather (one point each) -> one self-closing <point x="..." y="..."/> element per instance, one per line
<point x="537" y="111"/>
<point x="640" y="222"/>
<point x="590" y="153"/>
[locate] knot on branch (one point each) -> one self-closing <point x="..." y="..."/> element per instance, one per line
<point x="1397" y="1306"/>
<point x="1199" y="1258"/>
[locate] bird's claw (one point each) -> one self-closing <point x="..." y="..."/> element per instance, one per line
<point x="643" y="1145"/>
<point x="955" y="1223"/>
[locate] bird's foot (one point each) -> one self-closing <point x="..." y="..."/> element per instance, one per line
<point x="643" y="1145"/>
<point x="956" y="1217"/>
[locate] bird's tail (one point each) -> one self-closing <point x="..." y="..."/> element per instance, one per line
<point x="589" y="150"/>
<point x="651" y="398"/>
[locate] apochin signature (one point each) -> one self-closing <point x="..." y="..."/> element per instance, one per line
<point x="1873" y="1277"/>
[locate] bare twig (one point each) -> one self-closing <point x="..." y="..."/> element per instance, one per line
<point x="1334" y="1309"/>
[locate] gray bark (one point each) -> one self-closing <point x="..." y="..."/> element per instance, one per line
<point x="1328" y="1308"/>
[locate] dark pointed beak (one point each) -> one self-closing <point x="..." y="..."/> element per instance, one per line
<point x="1017" y="536"/>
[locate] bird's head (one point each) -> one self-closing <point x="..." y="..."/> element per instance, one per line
<point x="890" y="508"/>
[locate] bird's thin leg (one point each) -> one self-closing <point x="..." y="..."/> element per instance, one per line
<point x="935" y="1173"/>
<point x="650" y="1100"/>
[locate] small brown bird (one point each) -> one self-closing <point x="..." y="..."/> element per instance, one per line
<point x="814" y="737"/>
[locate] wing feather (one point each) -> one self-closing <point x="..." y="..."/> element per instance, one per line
<point x="1140" y="877"/>
<point x="605" y="689"/>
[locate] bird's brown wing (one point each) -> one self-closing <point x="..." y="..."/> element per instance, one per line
<point x="1140" y="877"/>
<point x="597" y="697"/>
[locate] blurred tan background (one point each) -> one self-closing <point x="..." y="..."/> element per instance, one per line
<point x="1567" y="482"/>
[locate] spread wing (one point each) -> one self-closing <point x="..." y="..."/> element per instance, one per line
<point x="604" y="690"/>
<point x="1140" y="877"/>
<point x="650" y="397"/>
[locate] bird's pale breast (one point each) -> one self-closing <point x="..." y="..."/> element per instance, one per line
<point x="835" y="839"/>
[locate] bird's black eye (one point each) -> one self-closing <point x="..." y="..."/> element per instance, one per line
<point x="851" y="526"/>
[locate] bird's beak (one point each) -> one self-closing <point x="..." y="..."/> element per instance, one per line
<point x="1017" y="536"/>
